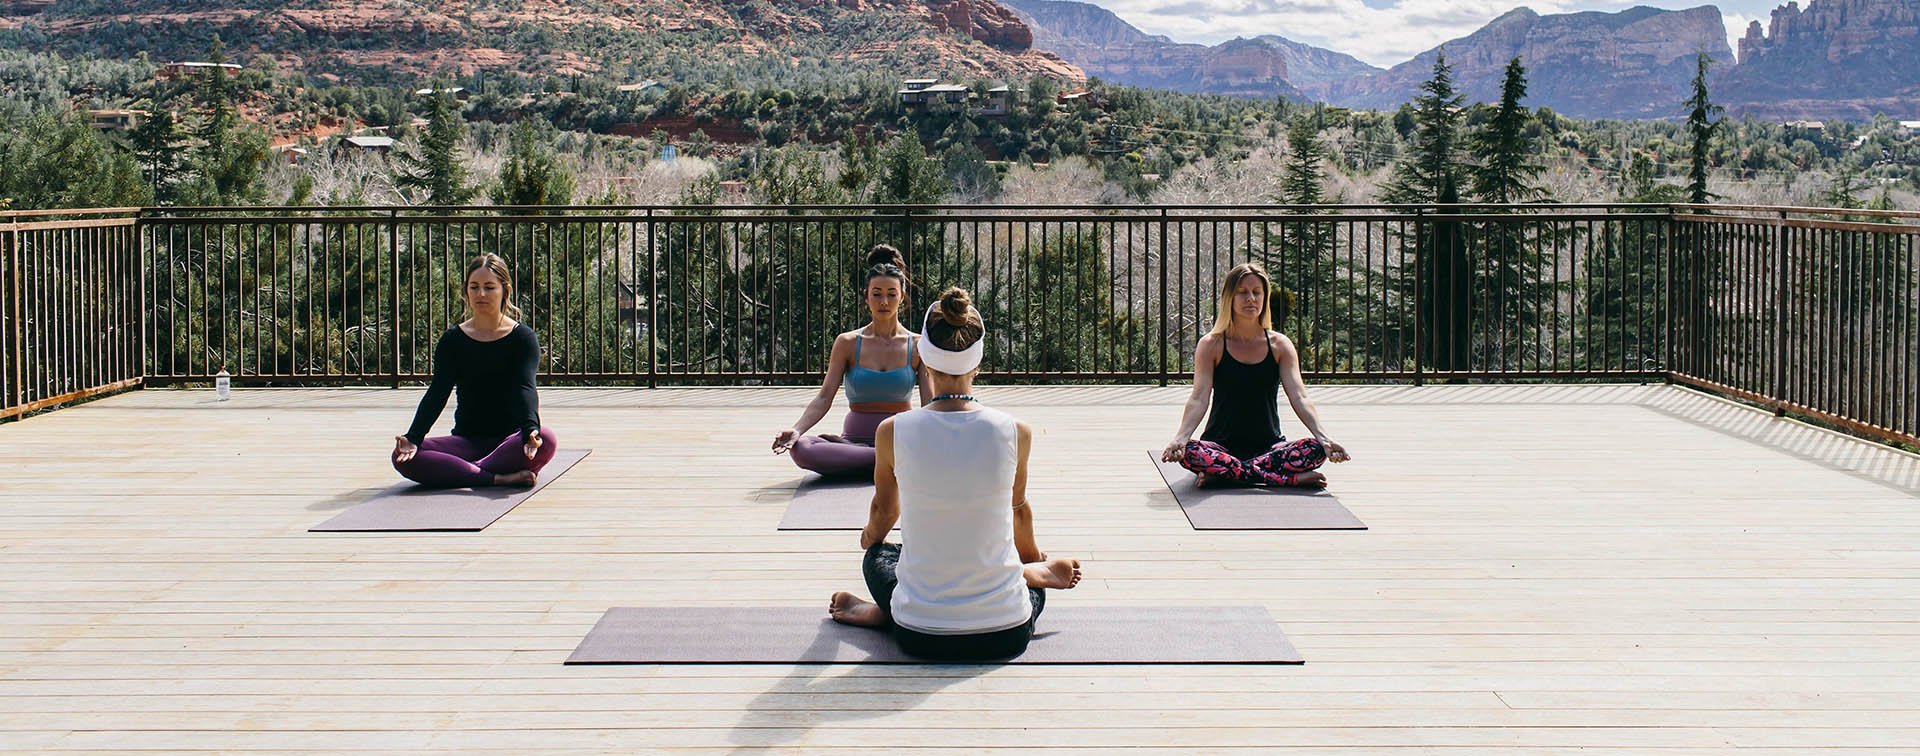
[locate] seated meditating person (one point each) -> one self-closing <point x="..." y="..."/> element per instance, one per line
<point x="878" y="365"/>
<point x="489" y="359"/>
<point x="1240" y="366"/>
<point x="966" y="580"/>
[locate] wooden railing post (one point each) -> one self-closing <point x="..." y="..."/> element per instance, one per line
<point x="393" y="294"/>
<point x="16" y="347"/>
<point x="1421" y="275"/>
<point x="1164" y="265"/>
<point x="1780" y="258"/>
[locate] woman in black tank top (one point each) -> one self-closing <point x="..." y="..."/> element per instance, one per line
<point x="1239" y="369"/>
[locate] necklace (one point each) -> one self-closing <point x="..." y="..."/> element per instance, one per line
<point x="961" y="397"/>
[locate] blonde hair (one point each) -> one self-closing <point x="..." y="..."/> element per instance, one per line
<point x="498" y="267"/>
<point x="1230" y="283"/>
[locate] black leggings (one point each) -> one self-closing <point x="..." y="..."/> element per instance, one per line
<point x="879" y="567"/>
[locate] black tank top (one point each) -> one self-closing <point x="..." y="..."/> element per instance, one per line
<point x="1246" y="413"/>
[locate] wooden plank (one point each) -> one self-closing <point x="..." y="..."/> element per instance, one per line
<point x="1635" y="568"/>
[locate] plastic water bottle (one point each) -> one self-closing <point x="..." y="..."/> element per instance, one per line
<point x="223" y="385"/>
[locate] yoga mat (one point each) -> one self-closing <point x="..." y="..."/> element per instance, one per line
<point x="804" y="635"/>
<point x="829" y="504"/>
<point x="1252" y="507"/>
<point x="408" y="507"/>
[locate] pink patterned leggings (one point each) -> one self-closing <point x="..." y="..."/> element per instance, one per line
<point x="1277" y="467"/>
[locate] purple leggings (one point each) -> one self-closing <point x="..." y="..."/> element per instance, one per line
<point x="1274" y="468"/>
<point x="462" y="462"/>
<point x="849" y="453"/>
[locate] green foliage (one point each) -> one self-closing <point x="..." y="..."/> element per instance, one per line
<point x="1504" y="168"/>
<point x="1702" y="125"/>
<point x="1423" y="177"/>
<point x="533" y="175"/>
<point x="57" y="162"/>
<point x="437" y="168"/>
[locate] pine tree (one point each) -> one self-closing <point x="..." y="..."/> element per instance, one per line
<point x="159" y="144"/>
<point x="1514" y="293"/>
<point x="1438" y="269"/>
<point x="1306" y="273"/>
<point x="1702" y="126"/>
<point x="437" y="167"/>
<point x="1504" y="171"/>
<point x="532" y="175"/>
<point x="231" y="157"/>
<point x="1435" y="161"/>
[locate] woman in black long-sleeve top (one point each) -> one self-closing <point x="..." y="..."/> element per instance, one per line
<point x="490" y="360"/>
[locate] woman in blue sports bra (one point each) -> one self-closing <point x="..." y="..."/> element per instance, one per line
<point x="880" y="369"/>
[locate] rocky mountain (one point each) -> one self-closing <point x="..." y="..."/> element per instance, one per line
<point x="1316" y="70"/>
<point x="1107" y="47"/>
<point x="1833" y="59"/>
<point x="375" y="38"/>
<point x="1635" y="63"/>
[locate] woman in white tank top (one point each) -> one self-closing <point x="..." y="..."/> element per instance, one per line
<point x="965" y="582"/>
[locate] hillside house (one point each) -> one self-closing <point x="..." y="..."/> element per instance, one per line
<point x="998" y="102"/>
<point x="953" y="94"/>
<point x="115" y="120"/>
<point x="194" y="69"/>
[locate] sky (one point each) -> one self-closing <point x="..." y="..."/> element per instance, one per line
<point x="1381" y="32"/>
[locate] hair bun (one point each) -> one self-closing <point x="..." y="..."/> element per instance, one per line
<point x="954" y="303"/>
<point x="886" y="254"/>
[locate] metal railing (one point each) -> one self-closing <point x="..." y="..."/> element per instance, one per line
<point x="70" y="306"/>
<point x="1807" y="310"/>
<point x="1810" y="311"/>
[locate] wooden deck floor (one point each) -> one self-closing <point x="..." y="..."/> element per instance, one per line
<point x="1548" y="569"/>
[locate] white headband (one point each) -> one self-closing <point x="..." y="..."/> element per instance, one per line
<point x="952" y="363"/>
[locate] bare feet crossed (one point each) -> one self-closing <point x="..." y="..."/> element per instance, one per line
<point x="523" y="479"/>
<point x="1060" y="573"/>
<point x="848" y="609"/>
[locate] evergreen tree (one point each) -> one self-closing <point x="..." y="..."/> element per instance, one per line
<point x="1702" y="126"/>
<point x="532" y="175"/>
<point x="1503" y="171"/>
<point x="231" y="158"/>
<point x="437" y="168"/>
<point x="1437" y="269"/>
<point x="48" y="162"/>
<point x="1435" y="161"/>
<point x="1515" y="295"/>
<point x="159" y="144"/>
<point x="1305" y="270"/>
<point x="906" y="177"/>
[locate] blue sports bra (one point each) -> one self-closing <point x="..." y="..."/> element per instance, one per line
<point x="869" y="385"/>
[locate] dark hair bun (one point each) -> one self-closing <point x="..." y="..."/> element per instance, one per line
<point x="954" y="303"/>
<point x="885" y="254"/>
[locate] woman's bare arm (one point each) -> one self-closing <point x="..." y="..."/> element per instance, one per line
<point x="841" y="354"/>
<point x="1205" y="356"/>
<point x="885" y="510"/>
<point x="1296" y="388"/>
<point x="1023" y="540"/>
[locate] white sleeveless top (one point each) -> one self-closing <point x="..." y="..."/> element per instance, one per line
<point x="959" y="572"/>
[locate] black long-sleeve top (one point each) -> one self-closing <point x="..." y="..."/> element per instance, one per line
<point x="495" y="380"/>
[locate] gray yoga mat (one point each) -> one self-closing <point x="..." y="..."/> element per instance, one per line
<point x="1254" y="508"/>
<point x="410" y="507"/>
<point x="829" y="504"/>
<point x="804" y="635"/>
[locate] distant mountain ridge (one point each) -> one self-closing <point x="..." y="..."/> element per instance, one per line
<point x="1632" y="64"/>
<point x="1835" y="58"/>
<point x="417" y="37"/>
<point x="1108" y="47"/>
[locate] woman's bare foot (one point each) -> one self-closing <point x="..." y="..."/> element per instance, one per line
<point x="1307" y="480"/>
<point x="1053" y="573"/>
<point x="848" y="609"/>
<point x="524" y="478"/>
